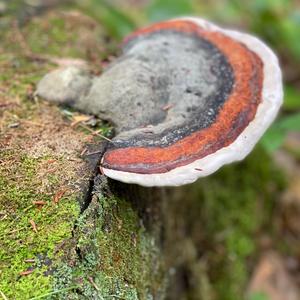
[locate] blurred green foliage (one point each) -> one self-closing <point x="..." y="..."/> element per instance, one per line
<point x="292" y="98"/>
<point x="164" y="9"/>
<point x="276" y="134"/>
<point x="118" y="22"/>
<point x="233" y="209"/>
<point x="258" y="296"/>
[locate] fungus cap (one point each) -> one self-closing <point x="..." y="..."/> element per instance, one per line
<point x="244" y="84"/>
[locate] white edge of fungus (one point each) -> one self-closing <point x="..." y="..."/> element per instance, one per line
<point x="272" y="96"/>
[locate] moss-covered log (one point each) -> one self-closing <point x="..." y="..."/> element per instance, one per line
<point x="68" y="233"/>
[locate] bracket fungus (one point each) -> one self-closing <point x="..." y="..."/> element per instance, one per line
<point x="186" y="97"/>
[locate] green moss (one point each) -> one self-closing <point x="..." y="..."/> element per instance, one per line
<point x="118" y="257"/>
<point x="52" y="37"/>
<point x="23" y="181"/>
<point x="19" y="186"/>
<point x="18" y="77"/>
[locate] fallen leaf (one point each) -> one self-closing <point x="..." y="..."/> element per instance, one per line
<point x="24" y="273"/>
<point x="39" y="202"/>
<point x="272" y="279"/>
<point x="33" y="226"/>
<point x="59" y="195"/>
<point x="79" y="119"/>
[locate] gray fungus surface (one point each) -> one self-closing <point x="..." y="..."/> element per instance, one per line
<point x="166" y="84"/>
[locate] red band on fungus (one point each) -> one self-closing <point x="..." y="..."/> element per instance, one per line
<point x="234" y="116"/>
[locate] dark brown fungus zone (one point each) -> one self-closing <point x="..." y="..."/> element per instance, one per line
<point x="187" y="97"/>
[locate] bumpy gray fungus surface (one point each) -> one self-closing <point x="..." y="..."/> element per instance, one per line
<point x="166" y="69"/>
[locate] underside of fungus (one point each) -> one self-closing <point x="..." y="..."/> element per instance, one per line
<point x="186" y="97"/>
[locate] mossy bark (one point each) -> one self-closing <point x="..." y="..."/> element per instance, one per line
<point x="69" y="233"/>
<point x="64" y="235"/>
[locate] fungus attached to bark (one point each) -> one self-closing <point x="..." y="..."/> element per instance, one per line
<point x="225" y="90"/>
<point x="186" y="97"/>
